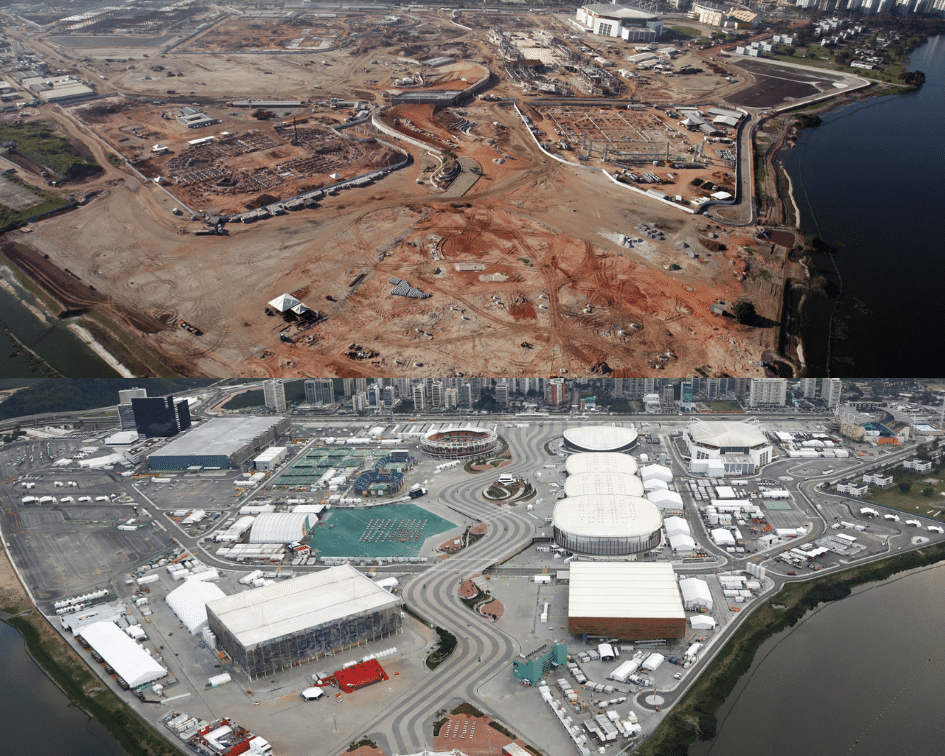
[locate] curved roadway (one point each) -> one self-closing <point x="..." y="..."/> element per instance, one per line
<point x="483" y="650"/>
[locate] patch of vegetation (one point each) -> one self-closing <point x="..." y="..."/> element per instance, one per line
<point x="807" y="120"/>
<point x="355" y="745"/>
<point x="694" y="717"/>
<point x="744" y="312"/>
<point x="504" y="730"/>
<point x="39" y="142"/>
<point x="443" y="649"/>
<point x="85" y="690"/>
<point x="438" y="725"/>
<point x="45" y="202"/>
<point x="468" y="709"/>
<point x="687" y="31"/>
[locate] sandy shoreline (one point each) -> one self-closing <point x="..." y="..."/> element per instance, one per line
<point x="84" y="335"/>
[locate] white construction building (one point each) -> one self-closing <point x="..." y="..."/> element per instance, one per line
<point x="130" y="661"/>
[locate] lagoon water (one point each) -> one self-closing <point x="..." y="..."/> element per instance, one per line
<point x="864" y="676"/>
<point x="37" y="717"/>
<point x="868" y="181"/>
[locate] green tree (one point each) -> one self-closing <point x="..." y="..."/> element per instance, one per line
<point x="928" y="491"/>
<point x="744" y="312"/>
<point x="905" y="486"/>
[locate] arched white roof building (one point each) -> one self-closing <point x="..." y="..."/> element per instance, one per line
<point x="189" y="603"/>
<point x="603" y="484"/>
<point x="600" y="462"/>
<point x="599" y="438"/>
<point x="279" y="527"/>
<point x="607" y="525"/>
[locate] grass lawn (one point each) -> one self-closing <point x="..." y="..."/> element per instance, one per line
<point x="39" y="142"/>
<point x="721" y="405"/>
<point x="687" y="30"/>
<point x="914" y="501"/>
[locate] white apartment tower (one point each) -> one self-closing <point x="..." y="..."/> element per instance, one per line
<point x="274" y="394"/>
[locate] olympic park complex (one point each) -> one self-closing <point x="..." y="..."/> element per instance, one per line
<point x="459" y="443"/>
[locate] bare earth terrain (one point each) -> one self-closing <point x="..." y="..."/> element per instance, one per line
<point x="532" y="265"/>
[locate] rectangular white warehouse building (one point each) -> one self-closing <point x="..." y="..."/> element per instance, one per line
<point x="626" y="600"/>
<point x="269" y="629"/>
<point x="130" y="661"/>
<point x="270" y="458"/>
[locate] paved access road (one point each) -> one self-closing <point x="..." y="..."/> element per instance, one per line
<point x="483" y="650"/>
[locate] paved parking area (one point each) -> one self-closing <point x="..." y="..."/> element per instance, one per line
<point x="15" y="196"/>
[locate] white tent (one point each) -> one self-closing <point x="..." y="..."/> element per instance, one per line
<point x="189" y="603"/>
<point x="279" y="527"/>
<point x="665" y="499"/>
<point x="130" y="661"/>
<point x="682" y="543"/>
<point x="655" y="484"/>
<point x="702" y="622"/>
<point x="284" y="302"/>
<point x="653" y="661"/>
<point x="676" y="526"/>
<point x="695" y="594"/>
<point x="659" y="472"/>
<point x="313" y="693"/>
<point x="723" y="537"/>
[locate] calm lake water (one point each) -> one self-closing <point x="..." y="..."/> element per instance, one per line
<point x="37" y="717"/>
<point x="864" y="676"/>
<point x="868" y="182"/>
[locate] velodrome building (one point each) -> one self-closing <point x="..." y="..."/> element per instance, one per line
<point x="607" y="524"/>
<point x="599" y="438"/>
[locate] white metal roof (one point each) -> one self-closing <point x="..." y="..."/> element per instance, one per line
<point x="218" y="436"/>
<point x="304" y="602"/>
<point x="602" y="438"/>
<point x="676" y="526"/>
<point x="279" y="527"/>
<point x="695" y="590"/>
<point x="283" y="302"/>
<point x="657" y="472"/>
<point x="682" y="542"/>
<point x="602" y="462"/>
<point x="189" y="603"/>
<point x="726" y="432"/>
<point x="607" y="516"/>
<point x="701" y="622"/>
<point x="132" y="663"/>
<point x="665" y="499"/>
<point x="596" y="484"/>
<point x="655" y="484"/>
<point x="267" y="455"/>
<point x="624" y="589"/>
<point x="723" y="537"/>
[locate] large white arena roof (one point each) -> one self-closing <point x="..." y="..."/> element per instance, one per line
<point x="279" y="527"/>
<point x="624" y="589"/>
<point x="607" y="516"/>
<point x="221" y="436"/>
<point x="726" y="433"/>
<point x="189" y="603"/>
<point x="603" y="438"/>
<point x="602" y="462"/>
<point x="295" y="605"/>
<point x="133" y="664"/>
<point x="597" y="484"/>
